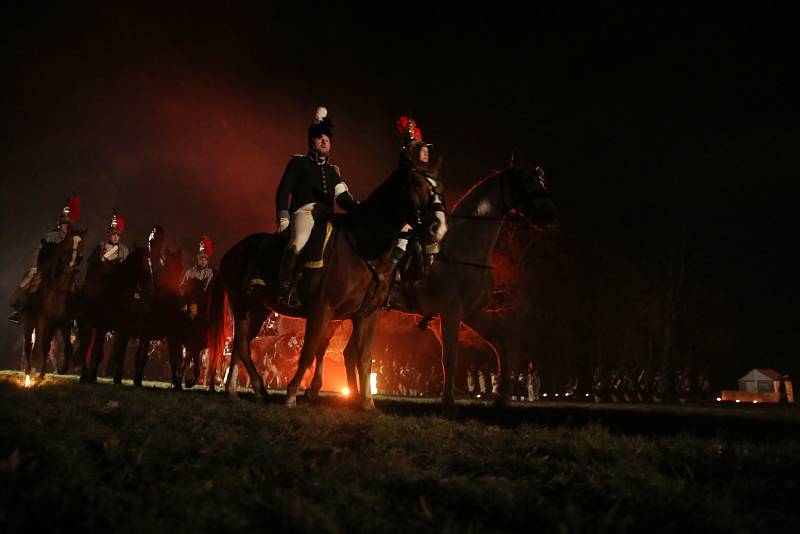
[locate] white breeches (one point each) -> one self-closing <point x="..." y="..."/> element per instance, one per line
<point x="301" y="226"/>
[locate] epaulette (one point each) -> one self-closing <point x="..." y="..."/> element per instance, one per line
<point x="296" y="156"/>
<point x="337" y="170"/>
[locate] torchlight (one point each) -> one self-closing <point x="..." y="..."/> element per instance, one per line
<point x="346" y="391"/>
<point x="27" y="381"/>
<point x="373" y="383"/>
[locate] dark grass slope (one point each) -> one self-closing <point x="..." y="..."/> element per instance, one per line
<point x="93" y="458"/>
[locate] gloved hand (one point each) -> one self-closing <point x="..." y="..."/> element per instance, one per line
<point x="283" y="224"/>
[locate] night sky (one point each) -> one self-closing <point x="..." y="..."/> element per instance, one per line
<point x="654" y="126"/>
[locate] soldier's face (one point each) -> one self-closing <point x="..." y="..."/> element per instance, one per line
<point x="424" y="154"/>
<point x="113" y="238"/>
<point x="202" y="262"/>
<point x="322" y="145"/>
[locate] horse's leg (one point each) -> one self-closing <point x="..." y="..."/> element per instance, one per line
<point x="241" y="327"/>
<point x="175" y="348"/>
<point x="84" y="342"/>
<point x="47" y="340"/>
<point x="316" y="381"/>
<point x="141" y="360"/>
<point x="249" y="328"/>
<point x="119" y="347"/>
<point x="450" y="322"/>
<point x="27" y="347"/>
<point x="316" y="326"/>
<point x="364" y="333"/>
<point x="351" y="361"/>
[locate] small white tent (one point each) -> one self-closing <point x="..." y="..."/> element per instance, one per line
<point x="760" y="381"/>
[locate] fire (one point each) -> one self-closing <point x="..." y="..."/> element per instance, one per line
<point x="346" y="391"/>
<point x="27" y="381"/>
<point x="373" y="383"/>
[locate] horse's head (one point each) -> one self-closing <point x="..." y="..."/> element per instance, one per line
<point x="526" y="192"/>
<point x="134" y="268"/>
<point x="57" y="259"/>
<point x="172" y="272"/>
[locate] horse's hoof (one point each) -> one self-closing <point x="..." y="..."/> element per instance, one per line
<point x="177" y="386"/>
<point x="137" y="383"/>
<point x="291" y="402"/>
<point x="190" y="383"/>
<point x="117" y="381"/>
<point x="368" y="405"/>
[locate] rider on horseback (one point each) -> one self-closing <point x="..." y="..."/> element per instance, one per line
<point x="30" y="282"/>
<point x="313" y="183"/>
<point x="415" y="153"/>
<point x="198" y="276"/>
<point x="111" y="251"/>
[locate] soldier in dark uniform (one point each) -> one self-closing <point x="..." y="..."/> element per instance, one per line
<point x="313" y="183"/>
<point x="110" y="252"/>
<point x="30" y="282"/>
<point x="415" y="153"/>
<point x="193" y="289"/>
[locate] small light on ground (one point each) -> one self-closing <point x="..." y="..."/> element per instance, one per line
<point x="346" y="391"/>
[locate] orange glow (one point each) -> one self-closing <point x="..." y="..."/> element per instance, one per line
<point x="27" y="381"/>
<point x="346" y="392"/>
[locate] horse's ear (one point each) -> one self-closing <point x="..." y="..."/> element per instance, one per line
<point x="515" y="158"/>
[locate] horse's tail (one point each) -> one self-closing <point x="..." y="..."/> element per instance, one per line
<point x="216" y="303"/>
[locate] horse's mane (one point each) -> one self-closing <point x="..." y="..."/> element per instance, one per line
<point x="374" y="224"/>
<point x="474" y="187"/>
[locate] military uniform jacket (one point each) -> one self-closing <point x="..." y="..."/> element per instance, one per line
<point x="308" y="180"/>
<point x="203" y="276"/>
<point x="105" y="258"/>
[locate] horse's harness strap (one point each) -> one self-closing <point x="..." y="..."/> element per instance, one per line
<point x="442" y="257"/>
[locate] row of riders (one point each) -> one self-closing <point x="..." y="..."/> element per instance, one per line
<point x="388" y="251"/>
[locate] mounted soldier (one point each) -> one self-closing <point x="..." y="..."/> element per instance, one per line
<point x="109" y="253"/>
<point x="193" y="289"/>
<point x="415" y="153"/>
<point x="31" y="281"/>
<point x="313" y="183"/>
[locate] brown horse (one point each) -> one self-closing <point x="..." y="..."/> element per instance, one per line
<point x="52" y="307"/>
<point x="460" y="283"/>
<point x="351" y="285"/>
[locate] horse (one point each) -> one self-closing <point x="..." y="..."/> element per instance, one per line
<point x="51" y="309"/>
<point x="155" y="312"/>
<point x="460" y="282"/>
<point x="351" y="284"/>
<point x="104" y="306"/>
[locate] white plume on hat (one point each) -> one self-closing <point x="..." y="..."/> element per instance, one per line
<point x="321" y="113"/>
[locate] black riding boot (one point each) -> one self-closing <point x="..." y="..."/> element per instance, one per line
<point x="287" y="279"/>
<point x="394" y="298"/>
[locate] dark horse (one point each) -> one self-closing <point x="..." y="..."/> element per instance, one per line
<point x="460" y="282"/>
<point x="51" y="308"/>
<point x="105" y="306"/>
<point x="157" y="313"/>
<point x="351" y="285"/>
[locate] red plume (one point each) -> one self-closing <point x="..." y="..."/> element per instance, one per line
<point x="206" y="246"/>
<point x="74" y="205"/>
<point x="417" y="134"/>
<point x="402" y="124"/>
<point x="120" y="223"/>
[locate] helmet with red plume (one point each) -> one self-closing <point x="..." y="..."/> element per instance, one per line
<point x="117" y="225"/>
<point x="71" y="212"/>
<point x="205" y="249"/>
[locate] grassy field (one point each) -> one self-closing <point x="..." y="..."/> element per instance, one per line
<point x="93" y="458"/>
